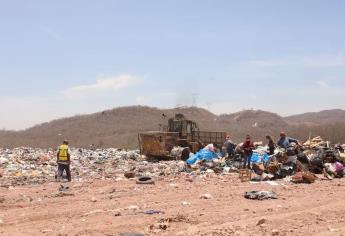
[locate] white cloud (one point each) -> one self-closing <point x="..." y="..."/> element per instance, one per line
<point x="225" y="107"/>
<point x="322" y="83"/>
<point x="23" y="112"/>
<point x="309" y="61"/>
<point x="141" y="100"/>
<point x="71" y="101"/>
<point x="102" y="85"/>
<point x="159" y="99"/>
<point x="324" y="61"/>
<point x="269" y="63"/>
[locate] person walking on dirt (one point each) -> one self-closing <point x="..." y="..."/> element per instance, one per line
<point x="271" y="145"/>
<point x="284" y="142"/>
<point x="63" y="161"/>
<point x="247" y="149"/>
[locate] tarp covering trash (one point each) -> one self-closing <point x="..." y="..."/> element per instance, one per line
<point x="205" y="154"/>
<point x="259" y="158"/>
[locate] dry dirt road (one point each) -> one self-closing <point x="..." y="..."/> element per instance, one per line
<point x="104" y="207"/>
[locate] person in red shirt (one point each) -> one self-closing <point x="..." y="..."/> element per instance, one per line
<point x="247" y="149"/>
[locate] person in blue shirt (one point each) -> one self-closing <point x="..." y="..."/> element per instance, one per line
<point x="284" y="142"/>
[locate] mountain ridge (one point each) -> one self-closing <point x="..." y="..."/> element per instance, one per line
<point x="118" y="127"/>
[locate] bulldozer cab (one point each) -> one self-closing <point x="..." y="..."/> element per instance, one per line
<point x="184" y="127"/>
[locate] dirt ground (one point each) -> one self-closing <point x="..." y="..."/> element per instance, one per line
<point x="104" y="207"/>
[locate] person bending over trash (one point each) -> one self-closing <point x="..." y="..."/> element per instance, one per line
<point x="271" y="145"/>
<point x="284" y="142"/>
<point x="229" y="146"/>
<point x="63" y="161"/>
<point x="247" y="149"/>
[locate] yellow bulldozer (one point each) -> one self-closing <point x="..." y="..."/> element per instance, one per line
<point x="180" y="137"/>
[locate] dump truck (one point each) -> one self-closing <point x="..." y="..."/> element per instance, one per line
<point x="180" y="137"/>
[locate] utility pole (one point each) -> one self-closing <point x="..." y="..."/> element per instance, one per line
<point x="208" y="104"/>
<point x="194" y="99"/>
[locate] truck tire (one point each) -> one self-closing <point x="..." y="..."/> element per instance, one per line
<point x="185" y="154"/>
<point x="180" y="153"/>
<point x="145" y="180"/>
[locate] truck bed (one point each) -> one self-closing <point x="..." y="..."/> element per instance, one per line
<point x="207" y="137"/>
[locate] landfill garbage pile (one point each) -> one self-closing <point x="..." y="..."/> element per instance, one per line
<point x="21" y="166"/>
<point x="298" y="164"/>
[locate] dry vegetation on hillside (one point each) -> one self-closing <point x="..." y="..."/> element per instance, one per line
<point x="119" y="127"/>
<point x="317" y="118"/>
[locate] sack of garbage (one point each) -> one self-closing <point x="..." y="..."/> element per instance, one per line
<point x="342" y="157"/>
<point x="334" y="170"/>
<point x="260" y="195"/>
<point x="330" y="169"/>
<point x="285" y="170"/>
<point x="304" y="177"/>
<point x="338" y="167"/>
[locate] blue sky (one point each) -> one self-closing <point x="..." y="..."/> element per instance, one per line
<point x="61" y="58"/>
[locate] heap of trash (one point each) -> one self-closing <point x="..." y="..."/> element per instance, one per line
<point x="21" y="166"/>
<point x="297" y="163"/>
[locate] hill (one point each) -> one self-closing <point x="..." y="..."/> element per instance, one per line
<point x="257" y="123"/>
<point x="119" y="127"/>
<point x="112" y="128"/>
<point x="318" y="118"/>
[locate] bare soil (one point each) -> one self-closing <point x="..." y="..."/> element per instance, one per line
<point x="104" y="207"/>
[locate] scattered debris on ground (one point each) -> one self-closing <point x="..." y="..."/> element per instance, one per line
<point x="115" y="188"/>
<point x="260" y="195"/>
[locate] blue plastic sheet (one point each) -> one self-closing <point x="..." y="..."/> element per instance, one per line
<point x="202" y="155"/>
<point x="259" y="158"/>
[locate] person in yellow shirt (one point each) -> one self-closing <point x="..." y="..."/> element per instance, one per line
<point x="63" y="161"/>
